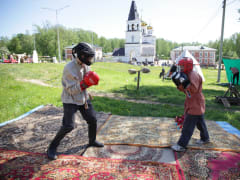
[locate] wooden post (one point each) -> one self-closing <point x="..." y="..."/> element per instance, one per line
<point x="138" y="80"/>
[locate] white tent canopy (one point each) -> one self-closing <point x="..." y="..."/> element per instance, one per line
<point x="184" y="54"/>
<point x="196" y="65"/>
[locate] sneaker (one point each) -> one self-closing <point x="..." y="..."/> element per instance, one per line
<point x="51" y="154"/>
<point x="200" y="142"/>
<point x="178" y="148"/>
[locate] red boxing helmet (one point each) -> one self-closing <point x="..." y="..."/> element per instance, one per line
<point x="186" y="65"/>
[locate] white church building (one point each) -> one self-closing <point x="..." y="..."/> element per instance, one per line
<point x="140" y="44"/>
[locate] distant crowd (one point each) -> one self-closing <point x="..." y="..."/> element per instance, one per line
<point x="14" y="59"/>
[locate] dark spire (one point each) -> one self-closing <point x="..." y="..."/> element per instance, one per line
<point x="133" y="14"/>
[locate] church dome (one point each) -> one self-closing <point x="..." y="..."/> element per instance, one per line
<point x="144" y="23"/>
<point x="149" y="27"/>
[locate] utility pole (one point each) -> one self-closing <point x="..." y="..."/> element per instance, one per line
<point x="58" y="40"/>
<point x="34" y="42"/>
<point x="34" y="39"/>
<point x="94" y="59"/>
<point x="221" y="45"/>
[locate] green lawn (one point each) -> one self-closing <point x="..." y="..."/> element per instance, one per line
<point x="18" y="97"/>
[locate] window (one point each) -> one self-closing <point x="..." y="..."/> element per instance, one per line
<point x="137" y="26"/>
<point x="193" y="53"/>
<point x="132" y="39"/>
<point x="200" y="54"/>
<point x="211" y="54"/>
<point x="206" y="54"/>
<point x="205" y="61"/>
<point x="200" y="60"/>
<point x="132" y="27"/>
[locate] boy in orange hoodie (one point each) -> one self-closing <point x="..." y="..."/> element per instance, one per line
<point x="190" y="83"/>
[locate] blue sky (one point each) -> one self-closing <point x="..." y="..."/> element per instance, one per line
<point x="174" y="20"/>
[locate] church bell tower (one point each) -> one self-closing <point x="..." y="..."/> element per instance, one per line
<point x="133" y="33"/>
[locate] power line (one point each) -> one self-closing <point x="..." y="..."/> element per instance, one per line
<point x="231" y="2"/>
<point x="209" y="21"/>
<point x="58" y="39"/>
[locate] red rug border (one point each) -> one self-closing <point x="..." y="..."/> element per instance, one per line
<point x="178" y="168"/>
<point x="70" y="155"/>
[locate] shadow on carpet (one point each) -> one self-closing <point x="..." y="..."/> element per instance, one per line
<point x="161" y="132"/>
<point x="139" y="153"/>
<point x="35" y="132"/>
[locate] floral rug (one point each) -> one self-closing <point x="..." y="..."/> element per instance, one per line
<point x="25" y="165"/>
<point x="205" y="164"/>
<point x="35" y="132"/>
<point x="139" y="153"/>
<point x="161" y="132"/>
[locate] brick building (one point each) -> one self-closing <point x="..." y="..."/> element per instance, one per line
<point x="204" y="55"/>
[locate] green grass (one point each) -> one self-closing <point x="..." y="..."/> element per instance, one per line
<point x="18" y="97"/>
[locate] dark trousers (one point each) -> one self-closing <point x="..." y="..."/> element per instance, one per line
<point x="236" y="75"/>
<point x="190" y="121"/>
<point x="68" y="122"/>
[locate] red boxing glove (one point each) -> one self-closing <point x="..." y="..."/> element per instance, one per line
<point x="90" y="78"/>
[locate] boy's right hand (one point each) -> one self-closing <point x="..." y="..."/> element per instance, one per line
<point x="90" y="78"/>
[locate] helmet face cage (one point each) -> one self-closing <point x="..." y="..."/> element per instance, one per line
<point x="86" y="59"/>
<point x="186" y="65"/>
<point x="85" y="53"/>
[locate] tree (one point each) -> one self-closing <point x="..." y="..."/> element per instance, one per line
<point x="3" y="46"/>
<point x="26" y="42"/>
<point x="106" y="45"/>
<point x="15" y="45"/>
<point x="46" y="40"/>
<point x="4" y="41"/>
<point x="236" y="43"/>
<point x="164" y="47"/>
<point x="4" y="51"/>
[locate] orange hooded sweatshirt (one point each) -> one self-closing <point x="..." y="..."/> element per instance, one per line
<point x="195" y="101"/>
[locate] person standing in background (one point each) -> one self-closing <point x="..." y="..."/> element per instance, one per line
<point x="235" y="73"/>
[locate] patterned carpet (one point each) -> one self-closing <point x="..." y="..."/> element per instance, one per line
<point x="205" y="164"/>
<point x="139" y="153"/>
<point x="24" y="165"/>
<point x="161" y="132"/>
<point x="133" y="150"/>
<point x="35" y="132"/>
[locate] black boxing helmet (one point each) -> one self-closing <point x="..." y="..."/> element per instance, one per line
<point x="85" y="53"/>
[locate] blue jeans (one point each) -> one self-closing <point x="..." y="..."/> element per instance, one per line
<point x="190" y="121"/>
